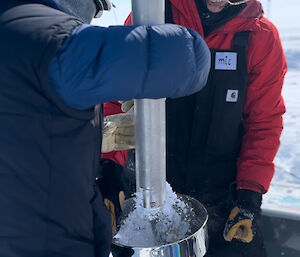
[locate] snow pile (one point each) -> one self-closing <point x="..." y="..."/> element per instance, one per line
<point x="154" y="227"/>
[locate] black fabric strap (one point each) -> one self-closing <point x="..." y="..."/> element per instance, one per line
<point x="241" y="39"/>
<point x="168" y="13"/>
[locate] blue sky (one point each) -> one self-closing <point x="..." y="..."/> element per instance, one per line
<point x="283" y="13"/>
<point x="117" y="16"/>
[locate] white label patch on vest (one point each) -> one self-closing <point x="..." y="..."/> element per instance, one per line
<point x="232" y="96"/>
<point x="226" y="61"/>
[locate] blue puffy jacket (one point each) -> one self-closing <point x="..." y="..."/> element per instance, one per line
<point x="97" y="65"/>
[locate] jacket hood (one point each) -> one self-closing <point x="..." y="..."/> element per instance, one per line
<point x="84" y="10"/>
<point x="245" y="20"/>
<point x="50" y="3"/>
<point x="253" y="10"/>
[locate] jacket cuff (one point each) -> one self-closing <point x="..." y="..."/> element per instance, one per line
<point x="249" y="199"/>
<point x="244" y="184"/>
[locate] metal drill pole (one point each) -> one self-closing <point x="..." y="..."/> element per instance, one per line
<point x="150" y="121"/>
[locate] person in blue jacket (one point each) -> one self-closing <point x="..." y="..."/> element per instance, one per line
<point x="55" y="72"/>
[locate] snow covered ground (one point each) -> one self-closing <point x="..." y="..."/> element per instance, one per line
<point x="284" y="193"/>
<point x="285" y="188"/>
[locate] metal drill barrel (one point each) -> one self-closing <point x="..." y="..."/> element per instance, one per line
<point x="150" y="122"/>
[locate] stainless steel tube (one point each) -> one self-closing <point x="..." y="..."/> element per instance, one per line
<point x="150" y="131"/>
<point x="150" y="122"/>
<point x="148" y="12"/>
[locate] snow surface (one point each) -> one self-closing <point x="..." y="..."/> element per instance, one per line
<point x="285" y="188"/>
<point x="284" y="192"/>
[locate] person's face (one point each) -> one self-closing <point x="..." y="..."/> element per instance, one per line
<point x="215" y="6"/>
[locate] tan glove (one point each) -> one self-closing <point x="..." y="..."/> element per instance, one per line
<point x="127" y="106"/>
<point x="118" y="132"/>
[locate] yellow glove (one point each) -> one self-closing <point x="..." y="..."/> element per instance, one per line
<point x="239" y="225"/>
<point x="113" y="184"/>
<point x="242" y="221"/>
<point x="113" y="210"/>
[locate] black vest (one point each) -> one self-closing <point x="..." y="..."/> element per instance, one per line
<point x="49" y="152"/>
<point x="204" y="130"/>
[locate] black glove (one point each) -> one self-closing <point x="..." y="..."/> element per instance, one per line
<point x="242" y="222"/>
<point x="112" y="184"/>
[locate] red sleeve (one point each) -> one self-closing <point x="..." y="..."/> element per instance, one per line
<point x="117" y="156"/>
<point x="128" y="21"/>
<point x="111" y="108"/>
<point x="263" y="109"/>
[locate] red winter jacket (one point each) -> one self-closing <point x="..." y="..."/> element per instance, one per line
<point x="264" y="105"/>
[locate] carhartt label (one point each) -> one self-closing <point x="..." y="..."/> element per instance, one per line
<point x="232" y="95"/>
<point x="225" y="61"/>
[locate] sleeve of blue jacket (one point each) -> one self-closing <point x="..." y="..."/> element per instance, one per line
<point x="96" y="65"/>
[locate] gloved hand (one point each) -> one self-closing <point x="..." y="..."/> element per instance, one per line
<point x="118" y="132"/>
<point x="112" y="209"/>
<point x="127" y="106"/>
<point x="112" y="185"/>
<point x="242" y="222"/>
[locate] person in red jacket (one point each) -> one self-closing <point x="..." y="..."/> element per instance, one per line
<point x="221" y="142"/>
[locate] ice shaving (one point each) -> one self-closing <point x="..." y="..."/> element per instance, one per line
<point x="145" y="227"/>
